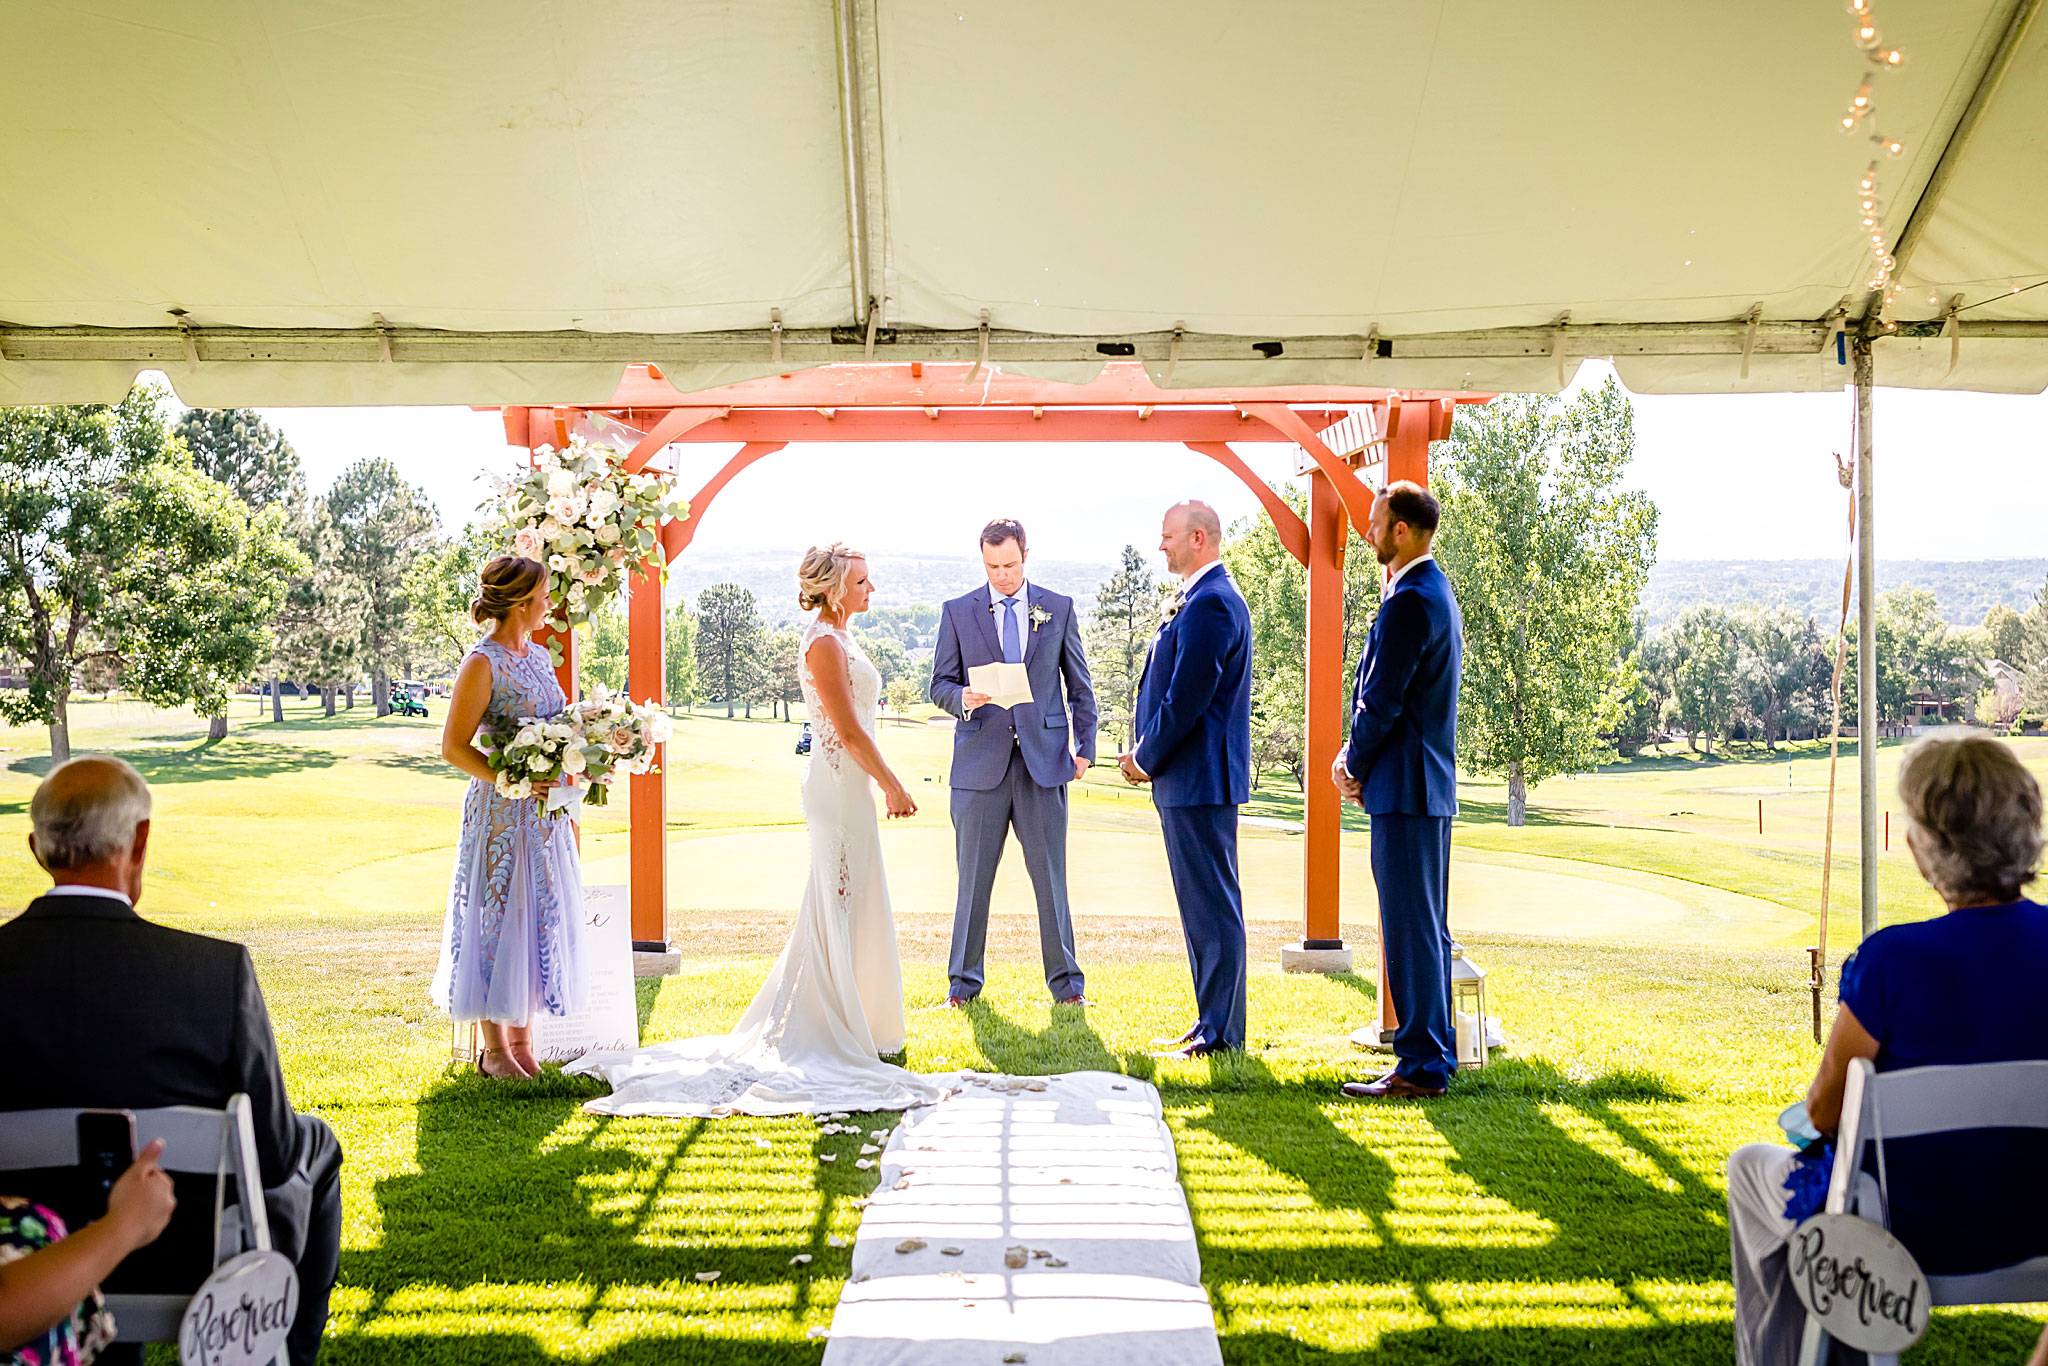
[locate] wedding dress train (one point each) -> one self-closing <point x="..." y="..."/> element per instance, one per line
<point x="810" y="1041"/>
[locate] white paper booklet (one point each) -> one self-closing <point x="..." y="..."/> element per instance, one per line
<point x="1007" y="685"/>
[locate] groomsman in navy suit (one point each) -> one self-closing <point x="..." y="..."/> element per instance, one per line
<point x="1401" y="766"/>
<point x="1193" y="742"/>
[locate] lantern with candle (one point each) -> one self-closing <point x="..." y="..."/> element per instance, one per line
<point x="1468" y="1007"/>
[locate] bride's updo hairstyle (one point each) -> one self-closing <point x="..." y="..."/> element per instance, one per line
<point x="505" y="583"/>
<point x="821" y="578"/>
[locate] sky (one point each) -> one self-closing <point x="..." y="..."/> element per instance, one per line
<point x="1733" y="476"/>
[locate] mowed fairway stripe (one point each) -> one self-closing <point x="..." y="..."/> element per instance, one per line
<point x="1114" y="873"/>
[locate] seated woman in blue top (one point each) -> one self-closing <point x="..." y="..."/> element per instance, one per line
<point x="1964" y="987"/>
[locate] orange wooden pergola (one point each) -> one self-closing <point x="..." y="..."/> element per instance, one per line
<point x="1340" y="431"/>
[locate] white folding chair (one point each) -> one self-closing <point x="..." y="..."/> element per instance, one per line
<point x="1880" y="1106"/>
<point x="213" y="1143"/>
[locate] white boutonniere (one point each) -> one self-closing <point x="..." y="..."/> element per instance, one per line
<point x="1039" y="616"/>
<point x="1172" y="609"/>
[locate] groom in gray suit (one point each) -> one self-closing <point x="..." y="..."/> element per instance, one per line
<point x="1011" y="765"/>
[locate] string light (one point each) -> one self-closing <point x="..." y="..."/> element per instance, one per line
<point x="1862" y="108"/>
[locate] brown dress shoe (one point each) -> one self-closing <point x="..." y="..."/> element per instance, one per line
<point x="1390" y="1087"/>
<point x="957" y="1002"/>
<point x="1077" y="999"/>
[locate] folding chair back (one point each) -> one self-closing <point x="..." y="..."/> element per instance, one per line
<point x="215" y="1143"/>
<point x="1878" y="1107"/>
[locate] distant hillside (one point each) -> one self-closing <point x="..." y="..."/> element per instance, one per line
<point x="903" y="580"/>
<point x="1964" y="589"/>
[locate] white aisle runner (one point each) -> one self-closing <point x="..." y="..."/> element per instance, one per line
<point x="1053" y="1232"/>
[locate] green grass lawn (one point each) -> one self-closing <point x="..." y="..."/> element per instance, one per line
<point x="1565" y="1204"/>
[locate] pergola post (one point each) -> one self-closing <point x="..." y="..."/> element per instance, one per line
<point x="1322" y="808"/>
<point x="1866" y="640"/>
<point x="647" y="838"/>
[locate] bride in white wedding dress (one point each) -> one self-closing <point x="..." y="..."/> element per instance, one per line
<point x="813" y="1039"/>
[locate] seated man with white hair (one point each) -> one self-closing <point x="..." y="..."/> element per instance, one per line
<point x="100" y="1008"/>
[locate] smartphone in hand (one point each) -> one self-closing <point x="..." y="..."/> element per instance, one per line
<point x="106" y="1148"/>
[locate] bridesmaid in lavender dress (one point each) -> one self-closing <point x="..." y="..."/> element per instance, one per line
<point x="510" y="943"/>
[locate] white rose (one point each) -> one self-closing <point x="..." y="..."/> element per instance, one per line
<point x="527" y="738"/>
<point x="603" y="503"/>
<point x="560" y="482"/>
<point x="550" y="529"/>
<point x="538" y="763"/>
<point x="608" y="534"/>
<point x="576" y="594"/>
<point x="562" y="510"/>
<point x="527" y="543"/>
<point x="573" y="761"/>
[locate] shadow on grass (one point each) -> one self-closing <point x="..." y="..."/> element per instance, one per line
<point x="1537" y="1178"/>
<point x="1068" y="1043"/>
<point x="207" y="761"/>
<point x="415" y="763"/>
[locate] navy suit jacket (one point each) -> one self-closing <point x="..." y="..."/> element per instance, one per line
<point x="1194" y="707"/>
<point x="1057" y="724"/>
<point x="1404" y="708"/>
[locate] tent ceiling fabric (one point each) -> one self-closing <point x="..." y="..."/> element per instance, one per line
<point x="504" y="201"/>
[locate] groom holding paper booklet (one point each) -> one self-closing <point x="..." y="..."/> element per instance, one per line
<point x="1009" y="666"/>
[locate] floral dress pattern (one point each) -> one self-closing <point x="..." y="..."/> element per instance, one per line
<point x="511" y="941"/>
<point x="77" y="1339"/>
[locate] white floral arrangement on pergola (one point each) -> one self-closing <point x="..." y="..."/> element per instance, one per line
<point x="580" y="513"/>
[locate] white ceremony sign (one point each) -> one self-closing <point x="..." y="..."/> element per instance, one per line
<point x="240" y="1316"/>
<point x="611" y="1017"/>
<point x="1860" y="1282"/>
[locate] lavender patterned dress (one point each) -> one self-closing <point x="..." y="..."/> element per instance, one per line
<point x="510" y="944"/>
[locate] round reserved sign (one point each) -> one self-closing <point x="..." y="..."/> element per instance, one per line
<point x="1859" y="1281"/>
<point x="240" y="1316"/>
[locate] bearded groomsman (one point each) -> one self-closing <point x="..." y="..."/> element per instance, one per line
<point x="1011" y="765"/>
<point x="1402" y="767"/>
<point x="1192" y="743"/>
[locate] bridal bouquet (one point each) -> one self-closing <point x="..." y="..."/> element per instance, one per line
<point x="580" y="513"/>
<point x="581" y="749"/>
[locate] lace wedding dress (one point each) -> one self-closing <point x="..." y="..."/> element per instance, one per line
<point x="811" y="1040"/>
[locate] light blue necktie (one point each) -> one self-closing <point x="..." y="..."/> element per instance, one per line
<point x="1013" y="647"/>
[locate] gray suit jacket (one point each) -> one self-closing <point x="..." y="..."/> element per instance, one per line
<point x="1056" y="725"/>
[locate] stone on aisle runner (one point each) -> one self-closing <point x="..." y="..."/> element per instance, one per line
<point x="1073" y="1176"/>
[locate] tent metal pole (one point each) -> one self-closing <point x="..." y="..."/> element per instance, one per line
<point x="853" y="148"/>
<point x="1866" y="641"/>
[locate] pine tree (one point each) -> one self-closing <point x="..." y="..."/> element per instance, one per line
<point x="1119" y="633"/>
<point x="731" y="642"/>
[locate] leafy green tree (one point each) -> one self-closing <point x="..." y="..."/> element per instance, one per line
<point x="730" y="643"/>
<point x="2033" y="661"/>
<point x="236" y="447"/>
<point x="1917" y="655"/>
<point x="1703" y="652"/>
<point x="1119" y="632"/>
<point x="901" y="695"/>
<point x="117" y="554"/>
<point x="385" y="525"/>
<point x="442" y="581"/>
<point x="680" y="657"/>
<point x="2005" y="635"/>
<point x="603" y="659"/>
<point x="1548" y="554"/>
<point x="1634" y="701"/>
<point x="782" y="669"/>
<point x="1770" y="667"/>
<point x="886" y="654"/>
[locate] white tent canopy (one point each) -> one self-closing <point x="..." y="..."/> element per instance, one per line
<point x="485" y="201"/>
